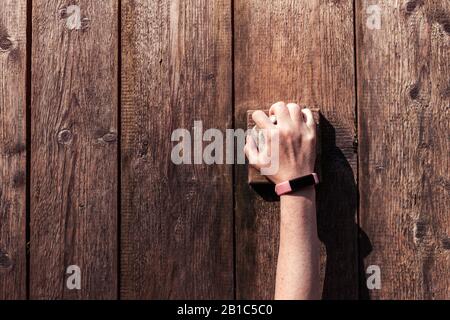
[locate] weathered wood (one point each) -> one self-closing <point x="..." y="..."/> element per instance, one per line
<point x="74" y="148"/>
<point x="177" y="221"/>
<point x="13" y="56"/>
<point x="298" y="51"/>
<point x="403" y="89"/>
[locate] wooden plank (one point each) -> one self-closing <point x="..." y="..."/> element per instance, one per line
<point x="74" y="148"/>
<point x="298" y="51"/>
<point x="404" y="113"/>
<point x="13" y="57"/>
<point x="177" y="221"/>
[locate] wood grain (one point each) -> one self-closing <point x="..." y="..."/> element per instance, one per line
<point x="177" y="221"/>
<point x="74" y="149"/>
<point x="298" y="51"/>
<point x="403" y="89"/>
<point x="13" y="57"/>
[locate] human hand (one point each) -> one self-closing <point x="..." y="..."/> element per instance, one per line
<point x="295" y="132"/>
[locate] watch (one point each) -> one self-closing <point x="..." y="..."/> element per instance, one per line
<point x="297" y="184"/>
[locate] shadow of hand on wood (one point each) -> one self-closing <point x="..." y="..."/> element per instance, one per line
<point x="337" y="223"/>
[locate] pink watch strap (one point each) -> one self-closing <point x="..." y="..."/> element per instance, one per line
<point x="283" y="188"/>
<point x="296" y="184"/>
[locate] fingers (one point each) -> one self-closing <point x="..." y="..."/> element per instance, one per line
<point x="262" y="120"/>
<point x="309" y="118"/>
<point x="284" y="113"/>
<point x="296" y="112"/>
<point x="251" y="150"/>
<point x="281" y="111"/>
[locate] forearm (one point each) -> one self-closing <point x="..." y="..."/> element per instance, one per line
<point x="298" y="260"/>
<point x="295" y="132"/>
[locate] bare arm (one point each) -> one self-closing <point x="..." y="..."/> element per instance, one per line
<point x="298" y="261"/>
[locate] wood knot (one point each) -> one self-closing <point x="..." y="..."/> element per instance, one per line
<point x="412" y="5"/>
<point x="143" y="148"/>
<point x="414" y="91"/>
<point x="65" y="137"/>
<point x="446" y="26"/>
<point x="5" y="260"/>
<point x="109" y="137"/>
<point x="420" y="230"/>
<point x="19" y="179"/>
<point x="446" y="243"/>
<point x="6" y="43"/>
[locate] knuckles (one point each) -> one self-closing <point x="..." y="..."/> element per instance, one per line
<point x="309" y="137"/>
<point x="292" y="134"/>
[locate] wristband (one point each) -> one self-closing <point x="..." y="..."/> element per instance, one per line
<point x="296" y="184"/>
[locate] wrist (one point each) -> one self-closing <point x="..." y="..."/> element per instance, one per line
<point x="308" y="194"/>
<point x="298" y="213"/>
<point x="305" y="192"/>
<point x="304" y="198"/>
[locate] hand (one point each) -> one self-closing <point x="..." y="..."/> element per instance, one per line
<point x="296" y="132"/>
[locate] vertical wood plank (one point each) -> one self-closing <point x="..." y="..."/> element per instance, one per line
<point x="13" y="56"/>
<point x="299" y="51"/>
<point x="177" y="221"/>
<point x="74" y="148"/>
<point x="404" y="127"/>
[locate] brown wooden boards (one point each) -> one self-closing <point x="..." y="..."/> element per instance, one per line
<point x="177" y="221"/>
<point x="176" y="224"/>
<point x="74" y="148"/>
<point x="13" y="56"/>
<point x="298" y="51"/>
<point x="403" y="89"/>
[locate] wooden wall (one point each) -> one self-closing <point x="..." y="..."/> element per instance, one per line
<point x="89" y="100"/>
